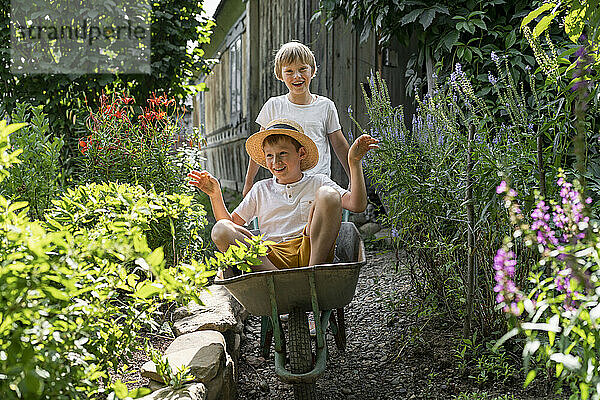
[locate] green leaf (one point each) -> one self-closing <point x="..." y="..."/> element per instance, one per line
<point x="450" y="39"/>
<point x="8" y="129"/>
<point x="120" y="389"/>
<point x="510" y="39"/>
<point x="468" y="55"/>
<point x="559" y="369"/>
<point x="55" y="293"/>
<point x="543" y="24"/>
<point x="426" y="18"/>
<point x="480" y="23"/>
<point x="575" y="23"/>
<point x="584" y="388"/>
<point x="535" y="13"/>
<point x="148" y="289"/>
<point x="156" y="258"/>
<point x="139" y="392"/>
<point x="530" y="377"/>
<point x="411" y="16"/>
<point x="16" y="205"/>
<point x="475" y="13"/>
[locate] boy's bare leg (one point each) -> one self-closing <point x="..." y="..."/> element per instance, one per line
<point x="225" y="233"/>
<point x="324" y="224"/>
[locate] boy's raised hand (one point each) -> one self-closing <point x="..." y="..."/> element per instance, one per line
<point x="204" y="181"/>
<point x="361" y="146"/>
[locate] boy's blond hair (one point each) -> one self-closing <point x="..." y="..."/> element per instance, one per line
<point x="292" y="52"/>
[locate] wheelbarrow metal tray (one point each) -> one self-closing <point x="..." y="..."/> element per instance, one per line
<point x="335" y="283"/>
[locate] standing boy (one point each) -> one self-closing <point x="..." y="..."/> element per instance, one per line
<point x="300" y="212"/>
<point x="296" y="67"/>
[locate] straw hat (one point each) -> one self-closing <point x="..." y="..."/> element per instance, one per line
<point x="254" y="144"/>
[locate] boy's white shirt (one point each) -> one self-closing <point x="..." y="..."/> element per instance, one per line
<point x="282" y="210"/>
<point x="318" y="119"/>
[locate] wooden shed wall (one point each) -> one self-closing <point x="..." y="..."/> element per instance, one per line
<point x="226" y="134"/>
<point x="343" y="63"/>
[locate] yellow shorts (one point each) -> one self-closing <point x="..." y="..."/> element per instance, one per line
<point x="293" y="253"/>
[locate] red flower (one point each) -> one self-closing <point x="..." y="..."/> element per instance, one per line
<point x="154" y="101"/>
<point x="83" y="145"/>
<point x="127" y="100"/>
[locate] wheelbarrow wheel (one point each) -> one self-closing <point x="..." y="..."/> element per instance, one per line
<point x="300" y="353"/>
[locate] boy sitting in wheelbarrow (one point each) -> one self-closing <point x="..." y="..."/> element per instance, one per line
<point x="300" y="213"/>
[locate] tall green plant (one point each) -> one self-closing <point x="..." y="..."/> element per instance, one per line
<point x="38" y="178"/>
<point x="558" y="311"/>
<point x="571" y="73"/>
<point x="175" y="222"/>
<point x="420" y="175"/>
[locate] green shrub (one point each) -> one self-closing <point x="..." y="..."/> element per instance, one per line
<point x="76" y="290"/>
<point x="174" y="222"/>
<point x="37" y="178"/>
<point x="61" y="295"/>
<point x="71" y="309"/>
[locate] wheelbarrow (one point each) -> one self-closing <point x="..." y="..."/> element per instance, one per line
<point x="320" y="289"/>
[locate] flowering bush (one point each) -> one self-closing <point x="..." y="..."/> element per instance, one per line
<point x="419" y="171"/>
<point x="558" y="310"/>
<point x="134" y="148"/>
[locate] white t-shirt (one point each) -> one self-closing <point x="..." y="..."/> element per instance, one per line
<point x="318" y="119"/>
<point x="282" y="210"/>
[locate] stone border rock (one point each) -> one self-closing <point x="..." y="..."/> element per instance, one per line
<point x="208" y="343"/>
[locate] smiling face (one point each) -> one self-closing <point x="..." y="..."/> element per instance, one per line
<point x="283" y="160"/>
<point x="297" y="76"/>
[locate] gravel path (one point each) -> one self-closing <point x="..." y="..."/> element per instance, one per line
<point x="369" y="369"/>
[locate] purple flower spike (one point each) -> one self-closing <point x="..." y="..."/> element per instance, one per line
<point x="495" y="57"/>
<point x="508" y="293"/>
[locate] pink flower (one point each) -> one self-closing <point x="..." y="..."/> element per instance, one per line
<point x="502" y="187"/>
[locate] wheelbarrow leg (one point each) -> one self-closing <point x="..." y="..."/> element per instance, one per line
<point x="266" y="336"/>
<point x="338" y="328"/>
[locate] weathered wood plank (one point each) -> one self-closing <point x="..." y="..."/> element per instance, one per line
<point x="343" y="77"/>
